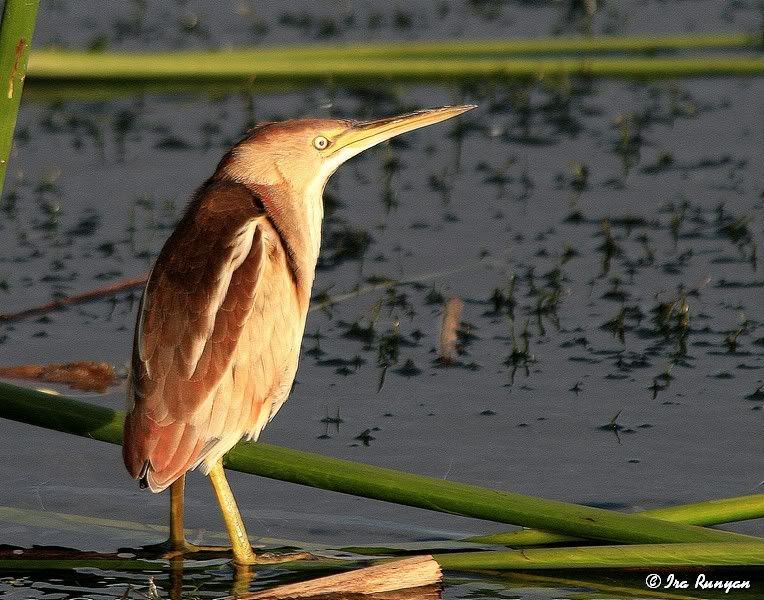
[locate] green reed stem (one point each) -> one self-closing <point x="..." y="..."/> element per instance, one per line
<point x="596" y="557"/>
<point x="16" y="30"/>
<point x="261" y="65"/>
<point x="709" y="512"/>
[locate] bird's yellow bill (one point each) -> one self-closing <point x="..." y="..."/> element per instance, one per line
<point x="361" y="136"/>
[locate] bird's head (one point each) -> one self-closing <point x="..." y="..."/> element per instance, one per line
<point x="303" y="153"/>
<point x="289" y="163"/>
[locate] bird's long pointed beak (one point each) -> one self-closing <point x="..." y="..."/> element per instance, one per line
<point x="366" y="134"/>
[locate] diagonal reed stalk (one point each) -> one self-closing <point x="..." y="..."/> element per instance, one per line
<point x="632" y="556"/>
<point x="99" y="423"/>
<point x="261" y="65"/>
<point x="709" y="512"/>
<point x="16" y="30"/>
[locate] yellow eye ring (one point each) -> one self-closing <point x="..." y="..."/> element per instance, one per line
<point x="320" y="143"/>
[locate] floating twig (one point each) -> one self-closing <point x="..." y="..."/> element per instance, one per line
<point x="97" y="293"/>
<point x="86" y="375"/>
<point x="408" y="576"/>
<point x="452" y="314"/>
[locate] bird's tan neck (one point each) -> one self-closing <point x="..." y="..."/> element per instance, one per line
<point x="298" y="227"/>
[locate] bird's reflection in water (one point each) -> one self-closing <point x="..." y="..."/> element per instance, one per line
<point x="176" y="579"/>
<point x="240" y="584"/>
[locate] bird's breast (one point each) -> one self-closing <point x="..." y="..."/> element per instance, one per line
<point x="266" y="357"/>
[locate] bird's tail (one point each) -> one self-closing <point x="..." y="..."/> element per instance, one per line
<point x="157" y="455"/>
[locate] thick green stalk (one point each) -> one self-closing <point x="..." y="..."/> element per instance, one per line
<point x="16" y="30"/>
<point x="596" y="557"/>
<point x="529" y="46"/>
<point x="506" y="47"/>
<point x="457" y="498"/>
<point x="709" y="512"/>
<point x="503" y="48"/>
<point x="72" y="416"/>
<point x="262" y="65"/>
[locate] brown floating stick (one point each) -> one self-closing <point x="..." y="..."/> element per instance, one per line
<point x="410" y="578"/>
<point x="88" y="376"/>
<point x="101" y="292"/>
<point x="452" y="314"/>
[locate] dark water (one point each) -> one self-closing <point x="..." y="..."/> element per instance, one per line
<point x="605" y="237"/>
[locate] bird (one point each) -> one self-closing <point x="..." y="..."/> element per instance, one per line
<point x="222" y="316"/>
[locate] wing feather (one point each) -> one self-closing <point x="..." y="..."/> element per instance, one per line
<point x="199" y="296"/>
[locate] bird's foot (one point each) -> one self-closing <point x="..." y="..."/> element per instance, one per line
<point x="185" y="549"/>
<point x="174" y="549"/>
<point x="271" y="558"/>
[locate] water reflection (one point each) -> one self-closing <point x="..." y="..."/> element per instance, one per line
<point x="133" y="575"/>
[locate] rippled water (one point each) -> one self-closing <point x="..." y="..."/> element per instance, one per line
<point x="604" y="236"/>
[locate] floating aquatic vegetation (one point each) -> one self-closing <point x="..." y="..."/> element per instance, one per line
<point x="366" y="437"/>
<point x="342" y="366"/>
<point x="408" y="369"/>
<point x="363" y="333"/>
<point x="520" y="356"/>
<point x="667" y="162"/>
<point x="388" y="349"/>
<point x="609" y="248"/>
<point x="617" y="326"/>
<point x="616" y="427"/>
<point x="503" y="300"/>
<point x="731" y="339"/>
<point x="672" y="315"/>
<point x="346" y="243"/>
<point x="737" y="230"/>
<point x="88" y="224"/>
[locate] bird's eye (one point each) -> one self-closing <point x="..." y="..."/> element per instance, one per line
<point x="320" y="143"/>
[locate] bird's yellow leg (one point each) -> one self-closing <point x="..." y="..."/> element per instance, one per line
<point x="177" y="531"/>
<point x="242" y="549"/>
<point x="177" y="546"/>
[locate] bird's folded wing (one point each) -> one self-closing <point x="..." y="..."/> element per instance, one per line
<point x="198" y="297"/>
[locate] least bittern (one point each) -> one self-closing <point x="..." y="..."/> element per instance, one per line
<point x="223" y="314"/>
